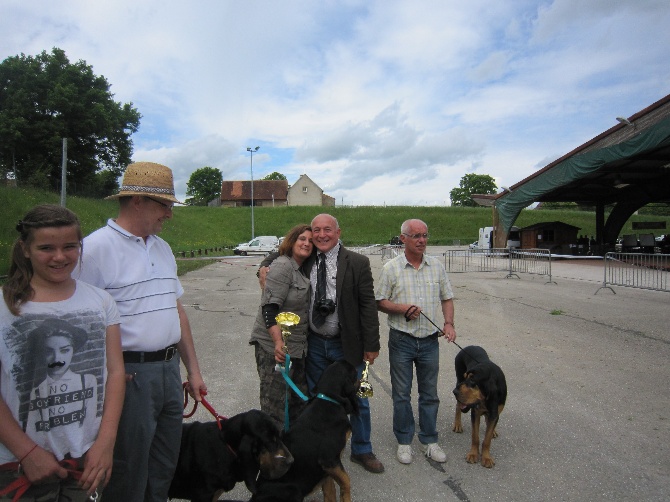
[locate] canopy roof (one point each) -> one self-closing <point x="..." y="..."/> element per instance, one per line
<point x="627" y="164"/>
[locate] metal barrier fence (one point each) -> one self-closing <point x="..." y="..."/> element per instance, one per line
<point x="386" y="251"/>
<point x="390" y="252"/>
<point x="514" y="261"/>
<point x="636" y="270"/>
<point x="370" y="250"/>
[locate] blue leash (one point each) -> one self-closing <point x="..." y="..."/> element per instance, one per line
<point x="290" y="384"/>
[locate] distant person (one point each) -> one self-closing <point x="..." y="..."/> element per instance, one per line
<point x="343" y="324"/>
<point x="287" y="289"/>
<point x="59" y="401"/>
<point x="412" y="289"/>
<point x="137" y="267"/>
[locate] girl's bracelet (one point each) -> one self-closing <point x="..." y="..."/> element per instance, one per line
<point x="29" y="452"/>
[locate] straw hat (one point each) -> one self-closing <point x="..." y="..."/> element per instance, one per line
<point x="149" y="179"/>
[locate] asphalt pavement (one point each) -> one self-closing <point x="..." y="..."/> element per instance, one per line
<point x="588" y="408"/>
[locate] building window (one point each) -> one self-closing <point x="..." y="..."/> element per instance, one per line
<point x="304" y="189"/>
<point x="548" y="235"/>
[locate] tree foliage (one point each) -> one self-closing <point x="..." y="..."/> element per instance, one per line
<point x="44" y="99"/>
<point x="469" y="185"/>
<point x="203" y="186"/>
<point x="275" y="176"/>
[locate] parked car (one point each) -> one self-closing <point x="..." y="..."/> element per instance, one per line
<point x="276" y="248"/>
<point x="260" y="245"/>
<point x="474" y="245"/>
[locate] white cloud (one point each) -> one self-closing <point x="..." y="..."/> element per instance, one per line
<point x="377" y="101"/>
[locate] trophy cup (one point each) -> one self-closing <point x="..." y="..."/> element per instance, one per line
<point x="365" y="389"/>
<point x="286" y="320"/>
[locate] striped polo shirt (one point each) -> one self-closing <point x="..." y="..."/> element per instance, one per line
<point x="142" y="278"/>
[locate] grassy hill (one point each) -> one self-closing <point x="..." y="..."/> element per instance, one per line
<point x="208" y="227"/>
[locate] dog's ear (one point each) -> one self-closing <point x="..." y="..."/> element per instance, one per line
<point x="247" y="454"/>
<point x="350" y="399"/>
<point x="258" y="424"/>
<point x="352" y="407"/>
<point x="481" y="374"/>
<point x="492" y="397"/>
<point x="257" y="430"/>
<point x="352" y="384"/>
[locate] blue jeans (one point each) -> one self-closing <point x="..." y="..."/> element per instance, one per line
<point x="405" y="352"/>
<point x="320" y="354"/>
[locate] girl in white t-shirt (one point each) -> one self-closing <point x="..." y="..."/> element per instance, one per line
<point x="62" y="377"/>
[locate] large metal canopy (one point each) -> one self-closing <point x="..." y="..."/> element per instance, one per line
<point x="627" y="167"/>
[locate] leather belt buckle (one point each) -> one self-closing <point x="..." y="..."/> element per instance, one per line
<point x="170" y="352"/>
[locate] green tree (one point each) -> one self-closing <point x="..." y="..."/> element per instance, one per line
<point x="203" y="186"/>
<point x="469" y="185"/>
<point x="275" y="176"/>
<point x="44" y="99"/>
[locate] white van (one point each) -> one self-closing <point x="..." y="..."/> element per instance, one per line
<point x="486" y="238"/>
<point x="262" y="244"/>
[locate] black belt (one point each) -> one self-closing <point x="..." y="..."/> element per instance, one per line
<point x="165" y="354"/>
<point x="433" y="336"/>
<point x="323" y="337"/>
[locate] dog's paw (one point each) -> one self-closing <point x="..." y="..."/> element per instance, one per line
<point x="495" y="434"/>
<point x="472" y="457"/>
<point x="457" y="427"/>
<point x="487" y="461"/>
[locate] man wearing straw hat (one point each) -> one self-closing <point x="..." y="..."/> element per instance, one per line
<point x="138" y="269"/>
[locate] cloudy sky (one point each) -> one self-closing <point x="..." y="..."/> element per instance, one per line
<point x="377" y="101"/>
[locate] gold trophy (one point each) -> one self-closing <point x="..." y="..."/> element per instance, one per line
<point x="286" y="321"/>
<point x="365" y="389"/>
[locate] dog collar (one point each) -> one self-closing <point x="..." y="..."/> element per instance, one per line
<point x="326" y="398"/>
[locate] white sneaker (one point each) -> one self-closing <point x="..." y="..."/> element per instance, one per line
<point x="433" y="451"/>
<point x="404" y="454"/>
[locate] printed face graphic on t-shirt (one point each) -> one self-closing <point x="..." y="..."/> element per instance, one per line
<point x="58" y="353"/>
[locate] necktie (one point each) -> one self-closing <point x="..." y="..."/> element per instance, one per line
<point x="317" y="318"/>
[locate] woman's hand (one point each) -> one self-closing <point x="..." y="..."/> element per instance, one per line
<point x="280" y="353"/>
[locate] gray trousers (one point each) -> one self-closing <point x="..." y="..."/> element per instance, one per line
<point x="147" y="444"/>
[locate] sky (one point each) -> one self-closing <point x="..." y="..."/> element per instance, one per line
<point x="379" y="102"/>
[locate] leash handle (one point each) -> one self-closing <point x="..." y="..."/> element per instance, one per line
<point x="205" y="403"/>
<point x="411" y="310"/>
<point x="21" y="484"/>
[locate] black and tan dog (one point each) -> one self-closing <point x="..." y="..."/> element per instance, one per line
<point x="317" y="440"/>
<point x="480" y="388"/>
<point x="212" y="461"/>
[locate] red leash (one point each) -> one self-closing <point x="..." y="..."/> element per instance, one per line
<point x="205" y="403"/>
<point x="21" y="484"/>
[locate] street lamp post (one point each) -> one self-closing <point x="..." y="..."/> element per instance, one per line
<point x="251" y="151"/>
